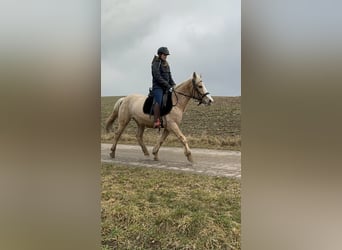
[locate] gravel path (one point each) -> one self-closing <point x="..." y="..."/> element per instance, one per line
<point x="207" y="161"/>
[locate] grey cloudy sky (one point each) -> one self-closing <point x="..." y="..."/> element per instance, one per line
<point x="202" y="36"/>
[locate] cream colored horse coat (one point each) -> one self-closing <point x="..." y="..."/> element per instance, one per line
<point x="131" y="107"/>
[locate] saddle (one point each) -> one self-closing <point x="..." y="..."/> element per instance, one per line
<point x="165" y="107"/>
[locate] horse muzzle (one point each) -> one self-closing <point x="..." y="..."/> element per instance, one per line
<point x="207" y="100"/>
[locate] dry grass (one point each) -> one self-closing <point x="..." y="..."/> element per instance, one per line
<point x="158" y="209"/>
<point x="215" y="127"/>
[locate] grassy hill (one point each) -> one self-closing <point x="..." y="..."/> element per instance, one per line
<point x="217" y="126"/>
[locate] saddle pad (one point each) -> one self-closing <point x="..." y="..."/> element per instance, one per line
<point x="166" y="106"/>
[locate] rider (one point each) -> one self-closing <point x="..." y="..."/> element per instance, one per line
<point x="162" y="82"/>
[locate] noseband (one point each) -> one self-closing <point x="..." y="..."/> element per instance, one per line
<point x="196" y="94"/>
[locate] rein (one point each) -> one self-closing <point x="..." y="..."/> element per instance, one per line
<point x="195" y="90"/>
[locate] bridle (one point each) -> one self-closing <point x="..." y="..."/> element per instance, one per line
<point x="195" y="94"/>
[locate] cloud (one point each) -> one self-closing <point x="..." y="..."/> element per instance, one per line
<point x="202" y="36"/>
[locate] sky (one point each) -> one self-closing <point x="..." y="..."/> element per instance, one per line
<point x="202" y="36"/>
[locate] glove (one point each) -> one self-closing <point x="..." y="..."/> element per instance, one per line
<point x="170" y="89"/>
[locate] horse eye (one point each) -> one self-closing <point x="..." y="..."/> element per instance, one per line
<point x="200" y="87"/>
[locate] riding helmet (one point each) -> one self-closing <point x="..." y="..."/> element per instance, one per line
<point x="163" y="50"/>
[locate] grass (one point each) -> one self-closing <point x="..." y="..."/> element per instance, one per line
<point x="216" y="126"/>
<point x="158" y="209"/>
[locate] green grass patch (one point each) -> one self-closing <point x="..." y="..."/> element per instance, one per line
<point x="144" y="208"/>
<point x="217" y="126"/>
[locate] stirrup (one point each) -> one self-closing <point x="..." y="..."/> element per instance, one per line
<point x="157" y="124"/>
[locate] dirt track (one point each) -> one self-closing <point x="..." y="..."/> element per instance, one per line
<point x="210" y="162"/>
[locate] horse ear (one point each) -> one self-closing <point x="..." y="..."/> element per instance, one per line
<point x="194" y="75"/>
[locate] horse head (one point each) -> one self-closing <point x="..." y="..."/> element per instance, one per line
<point x="200" y="91"/>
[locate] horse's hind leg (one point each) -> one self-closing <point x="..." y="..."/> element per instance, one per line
<point x="117" y="135"/>
<point x="139" y="135"/>
<point x="160" y="142"/>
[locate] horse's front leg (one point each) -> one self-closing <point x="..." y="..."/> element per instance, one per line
<point x="160" y="142"/>
<point x="175" y="129"/>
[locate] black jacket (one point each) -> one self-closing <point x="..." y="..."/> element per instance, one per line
<point x="161" y="75"/>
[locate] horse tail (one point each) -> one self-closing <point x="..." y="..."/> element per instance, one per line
<point x="111" y="119"/>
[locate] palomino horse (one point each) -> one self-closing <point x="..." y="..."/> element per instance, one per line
<point x="131" y="107"/>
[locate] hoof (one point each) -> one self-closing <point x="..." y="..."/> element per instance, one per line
<point x="190" y="159"/>
<point x="112" y="155"/>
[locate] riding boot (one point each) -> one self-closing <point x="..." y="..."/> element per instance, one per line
<point x="156" y="111"/>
